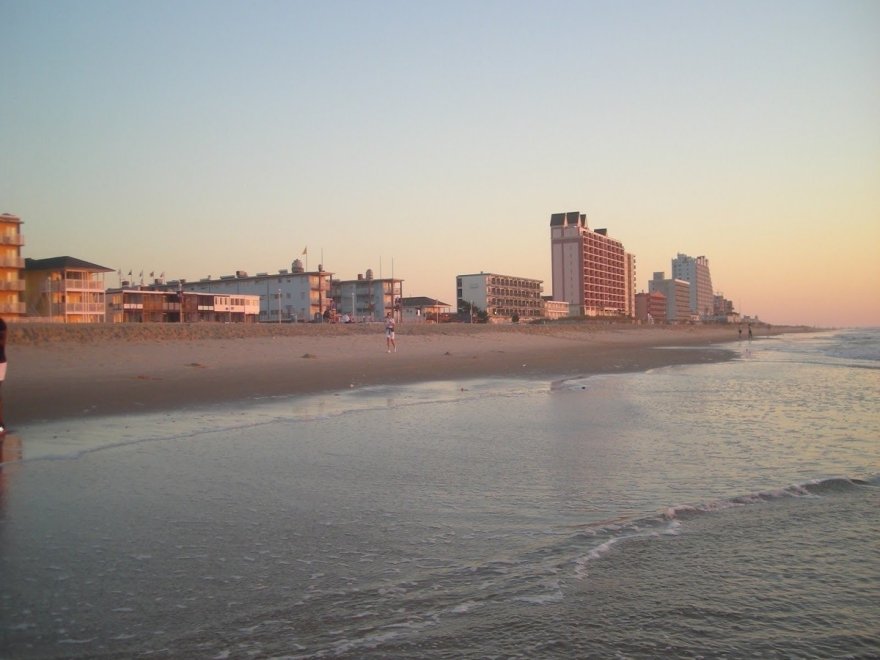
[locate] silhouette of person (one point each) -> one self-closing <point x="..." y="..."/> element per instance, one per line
<point x="390" y="342"/>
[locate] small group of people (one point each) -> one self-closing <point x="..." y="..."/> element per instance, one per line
<point x="330" y="316"/>
<point x="740" y="331"/>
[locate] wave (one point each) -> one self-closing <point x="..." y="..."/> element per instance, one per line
<point x="832" y="485"/>
<point x="860" y="347"/>
<point x="605" y="536"/>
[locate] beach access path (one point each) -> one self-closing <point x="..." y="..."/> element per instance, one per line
<point x="58" y="372"/>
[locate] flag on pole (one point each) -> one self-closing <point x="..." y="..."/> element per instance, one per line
<point x="129" y="273"/>
<point x="306" y="249"/>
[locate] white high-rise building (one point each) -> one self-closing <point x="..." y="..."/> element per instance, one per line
<point x="695" y="270"/>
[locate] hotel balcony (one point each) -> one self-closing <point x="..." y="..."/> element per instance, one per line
<point x="12" y="262"/>
<point x="63" y="286"/>
<point x="80" y="308"/>
<point x="12" y="285"/>
<point x="12" y="308"/>
<point x="12" y="239"/>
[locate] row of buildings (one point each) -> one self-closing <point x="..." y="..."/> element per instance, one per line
<point x="595" y="275"/>
<point x="592" y="276"/>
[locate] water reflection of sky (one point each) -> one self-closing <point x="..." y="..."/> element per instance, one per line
<point x="70" y="438"/>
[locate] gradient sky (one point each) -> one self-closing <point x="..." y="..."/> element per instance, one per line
<point x="199" y="138"/>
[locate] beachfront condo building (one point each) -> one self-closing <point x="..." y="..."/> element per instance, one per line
<point x="651" y="307"/>
<point x="677" y="292"/>
<point x="421" y="309"/>
<point x="591" y="270"/>
<point x="66" y="290"/>
<point x="285" y="296"/>
<point x="138" y="304"/>
<point x="695" y="270"/>
<point x="555" y="309"/>
<point x="366" y="298"/>
<point x="12" y="285"/>
<point x="502" y="297"/>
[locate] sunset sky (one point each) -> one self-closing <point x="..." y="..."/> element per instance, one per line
<point x="198" y="138"/>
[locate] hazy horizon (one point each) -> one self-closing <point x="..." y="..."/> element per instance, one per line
<point x="200" y="138"/>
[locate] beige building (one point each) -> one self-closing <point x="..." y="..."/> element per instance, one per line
<point x="555" y="309"/>
<point x="677" y="292"/>
<point x="12" y="285"/>
<point x="501" y="296"/>
<point x="630" y="284"/>
<point x="65" y="290"/>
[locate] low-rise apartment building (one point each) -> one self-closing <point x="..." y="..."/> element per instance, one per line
<point x="65" y="290"/>
<point x="555" y="309"/>
<point x="146" y="305"/>
<point x="502" y="297"/>
<point x="366" y="298"/>
<point x="294" y="295"/>
<point x="421" y="309"/>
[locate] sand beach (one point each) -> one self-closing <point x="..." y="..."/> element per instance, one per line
<point x="69" y="371"/>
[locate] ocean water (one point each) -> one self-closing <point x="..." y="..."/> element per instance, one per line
<point x="722" y="510"/>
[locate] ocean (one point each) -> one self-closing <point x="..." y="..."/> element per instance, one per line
<point x="707" y="511"/>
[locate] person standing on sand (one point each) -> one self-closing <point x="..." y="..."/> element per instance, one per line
<point x="390" y="343"/>
<point x="2" y="370"/>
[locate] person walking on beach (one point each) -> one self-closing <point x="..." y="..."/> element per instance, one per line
<point x="2" y="371"/>
<point x="390" y="342"/>
<point x="750" y="332"/>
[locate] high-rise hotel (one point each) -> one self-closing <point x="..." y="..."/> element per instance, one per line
<point x="591" y="270"/>
<point x="696" y="271"/>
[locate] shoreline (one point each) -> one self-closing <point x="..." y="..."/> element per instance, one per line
<point x="68" y="372"/>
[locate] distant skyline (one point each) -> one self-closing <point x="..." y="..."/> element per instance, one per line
<point x="198" y="138"/>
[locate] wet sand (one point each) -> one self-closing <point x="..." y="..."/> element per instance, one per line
<point x="59" y="372"/>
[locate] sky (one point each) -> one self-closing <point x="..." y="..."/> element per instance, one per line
<point x="429" y="139"/>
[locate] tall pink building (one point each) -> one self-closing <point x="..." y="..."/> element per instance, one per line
<point x="591" y="270"/>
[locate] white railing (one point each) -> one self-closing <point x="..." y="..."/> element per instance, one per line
<point x="80" y="285"/>
<point x="80" y="308"/>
